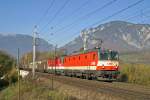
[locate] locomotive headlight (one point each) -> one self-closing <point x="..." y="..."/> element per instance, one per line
<point x="103" y="66"/>
<point x="116" y="67"/>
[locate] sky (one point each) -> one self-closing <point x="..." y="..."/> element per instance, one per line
<point x="60" y="21"/>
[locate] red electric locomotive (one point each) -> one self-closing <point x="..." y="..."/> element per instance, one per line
<point x="92" y="64"/>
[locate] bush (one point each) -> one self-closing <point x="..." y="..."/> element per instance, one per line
<point x="123" y="77"/>
<point x="3" y="84"/>
<point x="12" y="76"/>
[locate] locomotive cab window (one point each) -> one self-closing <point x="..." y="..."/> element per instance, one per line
<point x="109" y="55"/>
<point x="114" y="55"/>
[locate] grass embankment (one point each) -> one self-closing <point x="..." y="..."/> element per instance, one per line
<point x="32" y="91"/>
<point x="135" y="73"/>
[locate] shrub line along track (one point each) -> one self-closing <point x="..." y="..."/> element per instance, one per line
<point x="100" y="87"/>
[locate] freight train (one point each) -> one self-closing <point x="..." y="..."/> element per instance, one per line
<point x="92" y="64"/>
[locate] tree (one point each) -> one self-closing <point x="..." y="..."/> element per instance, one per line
<point x="6" y="63"/>
<point x="8" y="72"/>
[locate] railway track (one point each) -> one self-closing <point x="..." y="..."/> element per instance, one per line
<point x="100" y="87"/>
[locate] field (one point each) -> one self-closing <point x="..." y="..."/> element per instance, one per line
<point x="135" y="67"/>
<point x="135" y="73"/>
<point x="32" y="90"/>
<point x="64" y="89"/>
<point x="139" y="57"/>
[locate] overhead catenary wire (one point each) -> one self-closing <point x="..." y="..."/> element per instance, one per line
<point x="118" y="12"/>
<point x="71" y="14"/>
<point x="134" y="14"/>
<point x="138" y="15"/>
<point x="87" y="15"/>
<point x="51" y="3"/>
<point x="56" y="14"/>
<point x="46" y="12"/>
<point x="112" y="15"/>
<point x="74" y="11"/>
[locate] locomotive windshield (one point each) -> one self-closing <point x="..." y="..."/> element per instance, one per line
<point x="109" y="55"/>
<point x="114" y="55"/>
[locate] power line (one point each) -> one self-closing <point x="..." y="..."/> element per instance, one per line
<point x="46" y="11"/>
<point x="74" y="11"/>
<point x="87" y="15"/>
<point x="59" y="10"/>
<point x="114" y="14"/>
<point x="138" y="15"/>
<point x="118" y="12"/>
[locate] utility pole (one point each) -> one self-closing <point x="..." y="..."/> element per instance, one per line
<point x="84" y="35"/>
<point x="54" y="65"/>
<point x="55" y="57"/>
<point x="34" y="50"/>
<point x="18" y="75"/>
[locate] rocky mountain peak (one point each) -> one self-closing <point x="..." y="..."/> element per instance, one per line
<point x="118" y="35"/>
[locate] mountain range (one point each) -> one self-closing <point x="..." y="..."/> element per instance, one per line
<point x="117" y="35"/>
<point x="11" y="43"/>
